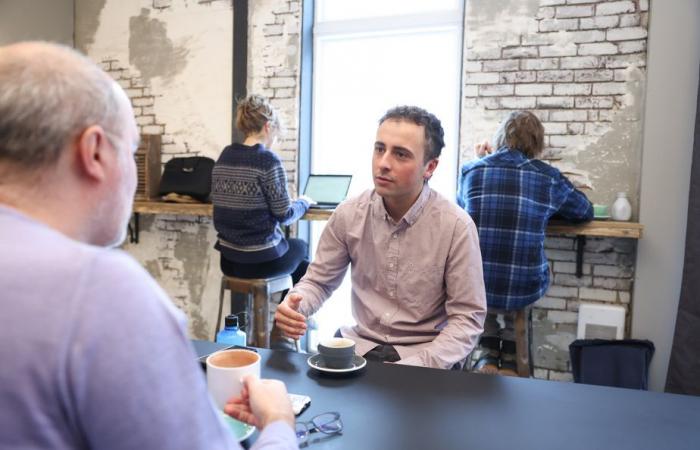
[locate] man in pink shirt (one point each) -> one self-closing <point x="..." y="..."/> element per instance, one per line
<point x="417" y="284"/>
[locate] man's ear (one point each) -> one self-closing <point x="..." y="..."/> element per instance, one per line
<point x="91" y="151"/>
<point x="430" y="168"/>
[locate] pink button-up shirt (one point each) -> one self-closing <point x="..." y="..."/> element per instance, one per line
<point x="416" y="284"/>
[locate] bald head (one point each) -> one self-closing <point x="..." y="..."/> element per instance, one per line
<point x="48" y="94"/>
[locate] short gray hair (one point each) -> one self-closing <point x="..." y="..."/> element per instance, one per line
<point x="48" y="95"/>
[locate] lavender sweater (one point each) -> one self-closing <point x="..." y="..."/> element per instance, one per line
<point x="94" y="354"/>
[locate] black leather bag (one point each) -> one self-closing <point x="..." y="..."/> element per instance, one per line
<point x="187" y="176"/>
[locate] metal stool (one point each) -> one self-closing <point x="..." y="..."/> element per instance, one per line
<point x="260" y="289"/>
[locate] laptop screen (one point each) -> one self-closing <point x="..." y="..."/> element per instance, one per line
<point x="327" y="190"/>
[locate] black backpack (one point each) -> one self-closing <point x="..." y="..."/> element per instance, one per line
<point x="187" y="176"/>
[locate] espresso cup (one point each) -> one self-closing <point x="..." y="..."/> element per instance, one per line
<point x="337" y="353"/>
<point x="225" y="371"/>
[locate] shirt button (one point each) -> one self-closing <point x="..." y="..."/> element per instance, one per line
<point x="391" y="265"/>
<point x="395" y="235"/>
<point x="392" y="293"/>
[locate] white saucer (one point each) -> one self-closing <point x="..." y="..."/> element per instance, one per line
<point x="316" y="362"/>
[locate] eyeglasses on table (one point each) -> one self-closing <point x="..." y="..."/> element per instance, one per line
<point x="328" y="423"/>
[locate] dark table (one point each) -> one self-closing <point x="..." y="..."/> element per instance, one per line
<point x="389" y="406"/>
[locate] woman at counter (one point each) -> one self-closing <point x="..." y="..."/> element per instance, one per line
<point x="251" y="201"/>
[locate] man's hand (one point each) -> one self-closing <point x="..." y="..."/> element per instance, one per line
<point x="289" y="319"/>
<point x="483" y="149"/>
<point x="261" y="402"/>
<point x="308" y="199"/>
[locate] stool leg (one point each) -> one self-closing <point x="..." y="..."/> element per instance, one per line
<point x="221" y="307"/>
<point x="261" y="306"/>
<point x="522" y="343"/>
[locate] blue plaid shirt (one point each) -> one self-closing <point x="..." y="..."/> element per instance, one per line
<point x="511" y="198"/>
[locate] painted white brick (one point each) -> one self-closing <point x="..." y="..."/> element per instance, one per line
<point x="533" y="89"/>
<point x="555" y="102"/>
<point x="145" y="120"/>
<point x="618" y="284"/>
<point x="582" y="76"/>
<point x="565" y="141"/>
<point x="644" y="5"/>
<point x="579" y="37"/>
<point x="518" y="102"/>
<point x="564" y="12"/>
<point x="560" y="255"/>
<point x="540" y="38"/>
<point x="501" y="65"/>
<point x="558" y="24"/>
<point x="597" y="128"/>
<point x="630" y="20"/>
<point x="555" y="128"/>
<point x="472" y="66"/>
<point x="496" y="89"/>
<point x="612" y="271"/>
<point x="623" y="61"/>
<point x="481" y="78"/>
<point x="145" y="101"/>
<point x="273" y="30"/>
<point x="153" y="129"/>
<point x="284" y="93"/>
<point x="599" y="22"/>
<point x="558" y="50"/>
<point x="593" y="115"/>
<point x="484" y="53"/>
<point x="552" y="2"/>
<point x="569" y="267"/>
<point x="556" y="375"/>
<point x="520" y="52"/>
<point x="575" y="128"/>
<point x="568" y="116"/>
<point x="518" y="77"/>
<point x="558" y="76"/>
<point x="626" y="34"/>
<point x="282" y="82"/>
<point x="562" y="316"/>
<point x="612" y="88"/>
<point x="600" y="48"/>
<point x="581" y="62"/>
<point x="602" y="295"/>
<point x="572" y="89"/>
<point x="609" y="8"/>
<point x="576" y="2"/>
<point x="632" y="46"/>
<point x="546" y="13"/>
<point x="471" y="90"/>
<point x="132" y="93"/>
<point x="540" y="374"/>
<point x="125" y="84"/>
<point x="593" y="102"/>
<point x="606" y="116"/>
<point x="562" y="291"/>
<point x="551" y="303"/>
<point x="539" y="64"/>
<point x="624" y="297"/>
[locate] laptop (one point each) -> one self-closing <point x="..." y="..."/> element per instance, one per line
<point x="327" y="190"/>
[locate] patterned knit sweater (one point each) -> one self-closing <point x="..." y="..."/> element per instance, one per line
<point x="251" y="201"/>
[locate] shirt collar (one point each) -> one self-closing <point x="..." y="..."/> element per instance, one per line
<point x="413" y="212"/>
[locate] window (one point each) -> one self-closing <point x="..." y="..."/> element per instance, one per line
<point x="368" y="56"/>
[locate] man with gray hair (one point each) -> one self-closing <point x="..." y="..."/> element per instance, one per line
<point x="95" y="355"/>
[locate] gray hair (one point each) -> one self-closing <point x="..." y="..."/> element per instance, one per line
<point x="49" y="94"/>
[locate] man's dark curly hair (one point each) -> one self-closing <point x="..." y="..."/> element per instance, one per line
<point x="434" y="134"/>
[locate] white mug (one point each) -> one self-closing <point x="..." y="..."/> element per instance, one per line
<point x="225" y="371"/>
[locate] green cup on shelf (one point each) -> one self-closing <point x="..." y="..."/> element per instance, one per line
<point x="601" y="211"/>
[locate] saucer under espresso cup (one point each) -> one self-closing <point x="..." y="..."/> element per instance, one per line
<point x="337" y="353"/>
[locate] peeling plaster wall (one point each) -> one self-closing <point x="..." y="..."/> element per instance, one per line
<point x="173" y="58"/>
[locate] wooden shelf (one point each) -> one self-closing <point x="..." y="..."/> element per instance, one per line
<point x="597" y="228"/>
<point x="205" y="209"/>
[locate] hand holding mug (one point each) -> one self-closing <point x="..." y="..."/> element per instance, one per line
<point x="260" y="403"/>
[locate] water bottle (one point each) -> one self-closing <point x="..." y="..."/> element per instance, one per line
<point x="231" y="334"/>
<point x="621" y="208"/>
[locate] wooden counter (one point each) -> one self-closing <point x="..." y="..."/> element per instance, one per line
<point x="597" y="228"/>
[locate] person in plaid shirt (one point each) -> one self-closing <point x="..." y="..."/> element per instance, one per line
<point x="511" y="196"/>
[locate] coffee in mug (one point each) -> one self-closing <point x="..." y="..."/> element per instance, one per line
<point x="337" y="353"/>
<point x="226" y="369"/>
